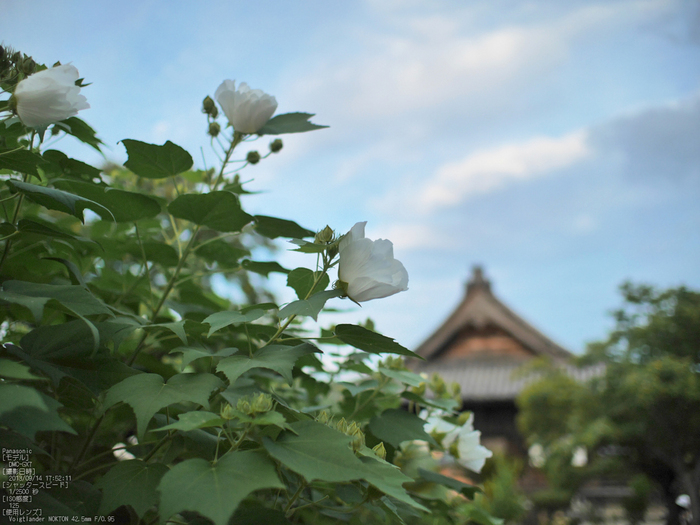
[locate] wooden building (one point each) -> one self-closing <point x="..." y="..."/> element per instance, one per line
<point x="481" y="346"/>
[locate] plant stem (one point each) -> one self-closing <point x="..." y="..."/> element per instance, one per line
<point x="287" y="510"/>
<point x="86" y="445"/>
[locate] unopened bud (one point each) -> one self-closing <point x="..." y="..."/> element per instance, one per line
<point x="262" y="403"/>
<point x="28" y="66"/>
<point x="16" y="57"/>
<point x="243" y="405"/>
<point x="420" y="389"/>
<point x="463" y="418"/>
<point x="358" y="439"/>
<point x="342" y="425"/>
<point x="214" y="129"/>
<point x="227" y="412"/>
<point x="55" y="130"/>
<point x="253" y="157"/>
<point x="276" y="145"/>
<point x="324" y="236"/>
<point x="455" y="389"/>
<point x="209" y="107"/>
<point x="379" y="450"/>
<point x="323" y="417"/>
<point x="454" y="448"/>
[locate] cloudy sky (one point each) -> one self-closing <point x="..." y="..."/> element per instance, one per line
<point x="555" y="143"/>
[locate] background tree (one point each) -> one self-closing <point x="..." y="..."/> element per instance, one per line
<point x="647" y="403"/>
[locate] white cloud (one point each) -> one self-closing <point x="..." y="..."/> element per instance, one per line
<point x="491" y="169"/>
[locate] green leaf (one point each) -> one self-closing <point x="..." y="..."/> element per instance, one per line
<point x="157" y="252"/>
<point x="279" y="358"/>
<point x="463" y="488"/>
<point x="289" y="123"/>
<point x="131" y="482"/>
<point x="189" y="354"/>
<point x="156" y="162"/>
<point x="309" y="247"/>
<point x="310" y="307"/>
<point x="403" y="376"/>
<point x="263" y="267"/>
<point x="22" y="161"/>
<point x="221" y="252"/>
<point x="125" y="206"/>
<point x="214" y="491"/>
<point x="354" y="390"/>
<point x="221" y="320"/>
<point x="28" y="411"/>
<point x="80" y="130"/>
<point x="74" y="298"/>
<point x="444" y="404"/>
<point x="219" y="210"/>
<point x="316" y="451"/>
<point x="396" y="426"/>
<point x="71" y="167"/>
<point x="74" y="274"/>
<point x="147" y="394"/>
<point x="268" y="418"/>
<point x="272" y="227"/>
<point x="15" y="370"/>
<point x="176" y="327"/>
<point x="369" y="341"/>
<point x="196" y="419"/>
<point x="32" y="226"/>
<point x="389" y="479"/>
<point x="480" y="516"/>
<point x="301" y="280"/>
<point x="59" y="200"/>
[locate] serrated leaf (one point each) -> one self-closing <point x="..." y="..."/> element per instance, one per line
<point x="310" y="307"/>
<point x="70" y="167"/>
<point x="80" y="130"/>
<point x="196" y="419"/>
<point x="189" y="354"/>
<point x="272" y="227"/>
<point x="279" y="358"/>
<point x="289" y="123"/>
<point x="369" y="341"/>
<point x="147" y="394"/>
<point x="58" y="200"/>
<point x="15" y="370"/>
<point x="176" y="327"/>
<point x="389" y="479"/>
<point x="28" y="411"/>
<point x="263" y="267"/>
<point x="218" y="210"/>
<point x="31" y="226"/>
<point x="125" y="206"/>
<point x="358" y="389"/>
<point x="215" y="490"/>
<point x="316" y="451"/>
<point x="444" y="404"/>
<point x="310" y="247"/>
<point x="463" y="488"/>
<point x="22" y="161"/>
<point x="75" y="298"/>
<point x="301" y="280"/>
<point x="221" y="320"/>
<point x="403" y="376"/>
<point x="156" y="162"/>
<point x="131" y="482"/>
<point x="395" y="426"/>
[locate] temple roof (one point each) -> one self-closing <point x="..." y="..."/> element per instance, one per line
<point x="481" y="310"/>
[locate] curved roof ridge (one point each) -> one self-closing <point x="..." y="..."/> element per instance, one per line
<point x="480" y="308"/>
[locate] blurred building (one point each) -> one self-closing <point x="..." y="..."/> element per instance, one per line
<point x="482" y="345"/>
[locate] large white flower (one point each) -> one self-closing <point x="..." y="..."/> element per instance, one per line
<point x="472" y="454"/>
<point x="368" y="267"/>
<point x="49" y="96"/>
<point x="247" y="110"/>
<point x="468" y="449"/>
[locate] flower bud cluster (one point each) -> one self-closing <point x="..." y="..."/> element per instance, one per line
<point x="351" y="429"/>
<point x="394" y="363"/>
<point x="248" y="405"/>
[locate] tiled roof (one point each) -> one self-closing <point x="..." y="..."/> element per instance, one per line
<point x="495" y="380"/>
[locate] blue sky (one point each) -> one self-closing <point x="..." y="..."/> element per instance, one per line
<point x="556" y="143"/>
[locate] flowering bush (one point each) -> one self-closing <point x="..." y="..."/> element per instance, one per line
<point x="157" y="399"/>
